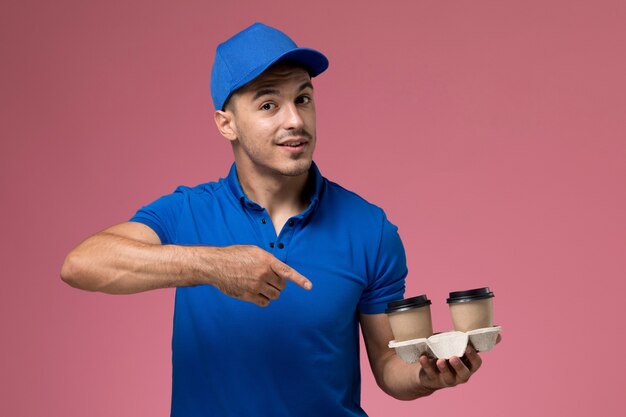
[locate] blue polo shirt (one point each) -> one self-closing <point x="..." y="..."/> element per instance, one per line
<point x="300" y="355"/>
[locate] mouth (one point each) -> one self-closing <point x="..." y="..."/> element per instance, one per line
<point x="294" y="145"/>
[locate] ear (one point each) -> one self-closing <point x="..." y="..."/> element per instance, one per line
<point x="225" y="122"/>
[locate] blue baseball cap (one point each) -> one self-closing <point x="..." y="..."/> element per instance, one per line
<point x="250" y="52"/>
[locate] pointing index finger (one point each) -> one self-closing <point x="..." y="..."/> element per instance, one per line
<point x="285" y="271"/>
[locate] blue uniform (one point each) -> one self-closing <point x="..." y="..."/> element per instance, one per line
<point x="300" y="355"/>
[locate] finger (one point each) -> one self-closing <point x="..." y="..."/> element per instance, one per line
<point x="462" y="372"/>
<point x="498" y="339"/>
<point x="287" y="272"/>
<point x="429" y="368"/>
<point x="258" y="299"/>
<point x="277" y="282"/>
<point x="475" y="361"/>
<point x="270" y="292"/>
<point x="446" y="373"/>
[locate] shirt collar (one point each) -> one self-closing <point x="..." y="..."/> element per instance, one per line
<point x="313" y="188"/>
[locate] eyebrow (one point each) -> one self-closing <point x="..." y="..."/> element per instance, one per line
<point x="269" y="90"/>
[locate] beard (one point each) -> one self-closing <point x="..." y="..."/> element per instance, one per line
<point x="263" y="155"/>
<point x="296" y="170"/>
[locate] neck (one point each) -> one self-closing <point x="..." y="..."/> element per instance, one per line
<point x="280" y="195"/>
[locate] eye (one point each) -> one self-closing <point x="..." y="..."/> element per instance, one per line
<point x="267" y="106"/>
<point x="303" y="100"/>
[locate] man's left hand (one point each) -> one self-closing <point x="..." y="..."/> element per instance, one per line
<point x="441" y="373"/>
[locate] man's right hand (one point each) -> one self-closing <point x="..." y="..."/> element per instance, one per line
<point x="129" y="258"/>
<point x="252" y="274"/>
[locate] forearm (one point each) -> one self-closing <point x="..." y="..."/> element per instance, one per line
<point x="117" y="265"/>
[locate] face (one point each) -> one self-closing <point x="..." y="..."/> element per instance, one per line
<point x="272" y="122"/>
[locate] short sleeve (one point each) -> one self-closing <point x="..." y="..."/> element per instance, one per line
<point x="162" y="215"/>
<point x="389" y="273"/>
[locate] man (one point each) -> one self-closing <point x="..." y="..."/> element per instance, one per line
<point x="274" y="233"/>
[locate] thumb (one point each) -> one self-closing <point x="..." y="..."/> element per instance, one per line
<point x="285" y="271"/>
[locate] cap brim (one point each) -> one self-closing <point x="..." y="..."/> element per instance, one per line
<point x="314" y="61"/>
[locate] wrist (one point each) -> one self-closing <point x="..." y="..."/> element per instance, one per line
<point x="422" y="390"/>
<point x="202" y="263"/>
<point x="186" y="263"/>
<point x="425" y="391"/>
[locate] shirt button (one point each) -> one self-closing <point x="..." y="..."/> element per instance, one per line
<point x="280" y="246"/>
<point x="290" y="223"/>
<point x="271" y="244"/>
<point x="263" y="221"/>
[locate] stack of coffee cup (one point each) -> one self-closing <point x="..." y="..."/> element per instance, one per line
<point x="410" y="318"/>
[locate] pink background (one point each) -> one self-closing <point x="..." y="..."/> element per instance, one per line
<point x="492" y="132"/>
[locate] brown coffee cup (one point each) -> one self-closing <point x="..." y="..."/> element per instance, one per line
<point x="471" y="309"/>
<point x="410" y="318"/>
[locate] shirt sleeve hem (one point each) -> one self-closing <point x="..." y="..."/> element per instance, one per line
<point x="377" y="308"/>
<point x="152" y="225"/>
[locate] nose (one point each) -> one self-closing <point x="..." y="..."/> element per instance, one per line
<point x="292" y="117"/>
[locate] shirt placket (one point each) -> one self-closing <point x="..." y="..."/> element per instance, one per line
<point x="277" y="245"/>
